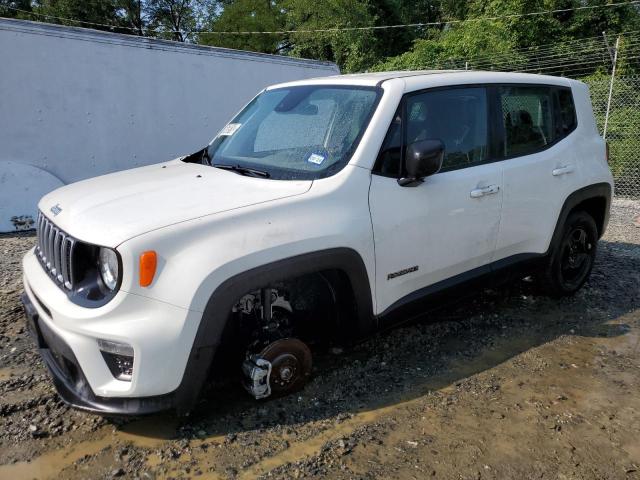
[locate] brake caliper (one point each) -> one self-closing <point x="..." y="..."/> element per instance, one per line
<point x="257" y="373"/>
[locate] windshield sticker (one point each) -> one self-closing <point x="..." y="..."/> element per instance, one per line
<point x="316" y="159"/>
<point x="229" y="129"/>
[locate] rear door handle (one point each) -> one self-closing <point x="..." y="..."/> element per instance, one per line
<point x="481" y="192"/>
<point x="562" y="170"/>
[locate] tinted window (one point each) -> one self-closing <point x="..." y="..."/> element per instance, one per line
<point x="457" y="117"/>
<point x="527" y="117"/>
<point x="567" y="114"/>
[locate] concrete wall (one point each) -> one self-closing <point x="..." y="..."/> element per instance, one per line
<point x="76" y="103"/>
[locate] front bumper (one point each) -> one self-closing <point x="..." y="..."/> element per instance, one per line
<point x="70" y="381"/>
<point x="66" y="334"/>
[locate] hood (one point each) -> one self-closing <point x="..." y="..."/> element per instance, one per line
<point x="113" y="208"/>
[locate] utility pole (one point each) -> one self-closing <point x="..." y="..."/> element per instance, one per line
<point x="614" y="61"/>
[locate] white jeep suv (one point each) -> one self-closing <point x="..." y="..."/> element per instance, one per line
<point x="327" y="208"/>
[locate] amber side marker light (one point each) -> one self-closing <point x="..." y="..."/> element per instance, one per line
<point x="148" y="263"/>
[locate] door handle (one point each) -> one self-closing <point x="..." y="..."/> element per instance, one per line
<point x="481" y="192"/>
<point x="562" y="170"/>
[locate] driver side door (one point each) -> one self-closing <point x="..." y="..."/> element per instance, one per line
<point x="444" y="230"/>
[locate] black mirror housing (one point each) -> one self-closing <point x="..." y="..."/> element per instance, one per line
<point x="422" y="159"/>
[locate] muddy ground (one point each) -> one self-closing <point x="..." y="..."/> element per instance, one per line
<point x="507" y="385"/>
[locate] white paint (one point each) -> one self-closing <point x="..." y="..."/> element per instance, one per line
<point x="534" y="192"/>
<point x="208" y="229"/>
<point x="437" y="226"/>
<point x="78" y="103"/>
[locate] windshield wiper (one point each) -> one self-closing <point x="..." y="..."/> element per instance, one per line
<point x="249" y="172"/>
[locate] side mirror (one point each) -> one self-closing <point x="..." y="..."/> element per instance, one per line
<point x="422" y="159"/>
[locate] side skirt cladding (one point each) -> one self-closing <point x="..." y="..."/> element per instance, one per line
<point x="221" y="302"/>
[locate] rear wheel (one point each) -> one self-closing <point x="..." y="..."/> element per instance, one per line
<point x="572" y="259"/>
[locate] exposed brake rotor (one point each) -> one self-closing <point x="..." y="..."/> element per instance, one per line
<point x="282" y="367"/>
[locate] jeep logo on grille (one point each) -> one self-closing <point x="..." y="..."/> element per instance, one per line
<point x="56" y="209"/>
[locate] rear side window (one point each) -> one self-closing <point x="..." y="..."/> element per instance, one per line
<point x="527" y="116"/>
<point x="567" y="112"/>
<point x="457" y="117"/>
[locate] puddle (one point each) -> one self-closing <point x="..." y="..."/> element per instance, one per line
<point x="150" y="432"/>
<point x="311" y="447"/>
<point x="7" y="372"/>
<point x="147" y="433"/>
<point x="50" y="464"/>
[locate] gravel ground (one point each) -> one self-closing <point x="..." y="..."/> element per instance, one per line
<point x="507" y="385"/>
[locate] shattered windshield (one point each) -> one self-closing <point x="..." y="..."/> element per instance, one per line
<point x="302" y="132"/>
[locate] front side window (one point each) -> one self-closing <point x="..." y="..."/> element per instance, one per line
<point x="302" y="132"/>
<point x="457" y="117"/>
<point x="527" y="116"/>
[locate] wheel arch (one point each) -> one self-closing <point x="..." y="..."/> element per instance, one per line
<point x="594" y="199"/>
<point x="217" y="311"/>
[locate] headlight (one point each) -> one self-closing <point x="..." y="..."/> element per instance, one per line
<point x="108" y="266"/>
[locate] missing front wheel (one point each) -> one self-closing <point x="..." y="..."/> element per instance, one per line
<point x="282" y="367"/>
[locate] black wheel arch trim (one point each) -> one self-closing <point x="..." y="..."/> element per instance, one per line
<point x="219" y="305"/>
<point x="595" y="191"/>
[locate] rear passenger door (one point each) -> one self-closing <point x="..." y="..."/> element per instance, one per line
<point x="447" y="226"/>
<point x="540" y="165"/>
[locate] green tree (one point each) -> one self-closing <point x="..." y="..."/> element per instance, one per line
<point x="526" y="30"/>
<point x="177" y="20"/>
<point x="451" y="47"/>
<point x="9" y="9"/>
<point x="247" y="16"/>
<point x="395" y="41"/>
<point x="590" y="22"/>
<point x="131" y="13"/>
<point x="352" y="50"/>
<point x="98" y="14"/>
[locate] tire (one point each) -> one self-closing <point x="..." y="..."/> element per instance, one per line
<point x="571" y="259"/>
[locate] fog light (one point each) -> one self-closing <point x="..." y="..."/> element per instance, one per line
<point x="118" y="357"/>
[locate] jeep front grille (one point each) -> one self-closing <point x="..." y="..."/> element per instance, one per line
<point x="55" y="252"/>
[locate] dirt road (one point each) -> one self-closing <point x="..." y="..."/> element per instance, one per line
<point x="507" y="385"/>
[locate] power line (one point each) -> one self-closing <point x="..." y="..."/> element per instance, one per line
<point x="341" y="29"/>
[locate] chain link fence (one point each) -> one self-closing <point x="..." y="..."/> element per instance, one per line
<point x="623" y="128"/>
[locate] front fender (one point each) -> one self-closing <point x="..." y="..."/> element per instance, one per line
<point x="216" y="313"/>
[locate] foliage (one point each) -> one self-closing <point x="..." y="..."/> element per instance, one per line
<point x="176" y="19"/>
<point x="171" y="19"/>
<point x="515" y="30"/>
<point x="24" y="5"/>
<point x="247" y="15"/>
<point x="352" y="50"/>
<point x="462" y="41"/>
<point x="473" y="30"/>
